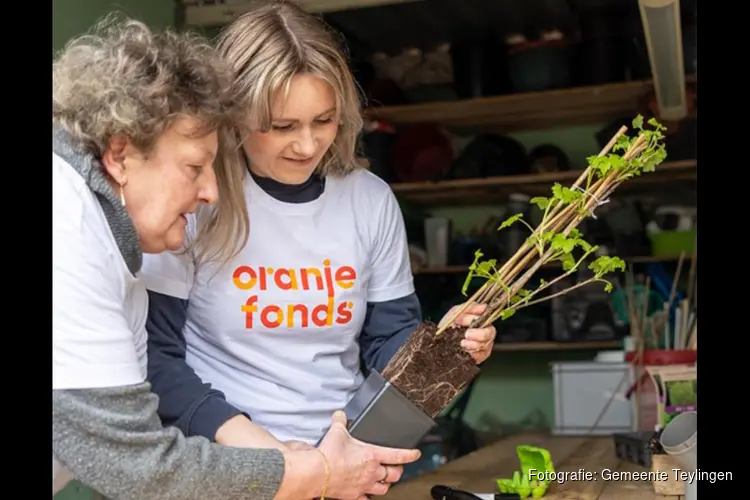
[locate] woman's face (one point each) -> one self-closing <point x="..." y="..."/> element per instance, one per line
<point x="303" y="128"/>
<point x="173" y="179"/>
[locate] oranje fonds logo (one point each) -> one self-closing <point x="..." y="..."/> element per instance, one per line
<point x="326" y="279"/>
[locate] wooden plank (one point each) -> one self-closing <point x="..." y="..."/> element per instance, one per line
<point x="555" y="346"/>
<point x="594" y="456"/>
<point x="529" y="110"/>
<point x="545" y="179"/>
<point x="560" y="448"/>
<point x="197" y="14"/>
<point x="494" y="190"/>
<point x="628" y="490"/>
<point x="477" y="471"/>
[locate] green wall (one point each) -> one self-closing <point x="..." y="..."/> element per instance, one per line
<point x="515" y="389"/>
<point x="73" y="17"/>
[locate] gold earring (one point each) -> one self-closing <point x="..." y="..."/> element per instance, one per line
<point x="122" y="196"/>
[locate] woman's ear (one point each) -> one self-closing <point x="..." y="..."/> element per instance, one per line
<point x="114" y="158"/>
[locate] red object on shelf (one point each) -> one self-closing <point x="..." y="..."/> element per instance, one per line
<point x="650" y="396"/>
<point x="661" y="357"/>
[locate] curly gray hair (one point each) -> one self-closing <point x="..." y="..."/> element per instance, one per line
<point x="122" y="78"/>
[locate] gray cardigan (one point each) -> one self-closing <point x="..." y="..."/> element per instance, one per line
<point x="113" y="440"/>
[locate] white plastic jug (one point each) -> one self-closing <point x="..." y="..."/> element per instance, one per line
<point x="680" y="440"/>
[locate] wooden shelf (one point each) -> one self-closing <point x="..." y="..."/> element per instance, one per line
<point x="555" y="346"/>
<point x="635" y="260"/>
<point x="487" y="190"/>
<point x="529" y="110"/>
<point x="212" y="13"/>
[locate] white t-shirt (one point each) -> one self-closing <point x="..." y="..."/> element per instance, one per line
<point x="277" y="328"/>
<point x="98" y="308"/>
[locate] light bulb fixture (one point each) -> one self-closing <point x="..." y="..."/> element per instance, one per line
<point x="663" y="32"/>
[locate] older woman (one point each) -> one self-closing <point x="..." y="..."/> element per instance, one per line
<point x="136" y="125"/>
<point x="276" y="336"/>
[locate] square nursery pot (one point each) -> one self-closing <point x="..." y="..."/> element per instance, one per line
<point x="397" y="408"/>
<point x="379" y="414"/>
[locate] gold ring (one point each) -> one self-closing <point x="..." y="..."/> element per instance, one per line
<point x="385" y="476"/>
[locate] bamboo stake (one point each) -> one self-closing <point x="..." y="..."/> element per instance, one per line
<point x="526" y="250"/>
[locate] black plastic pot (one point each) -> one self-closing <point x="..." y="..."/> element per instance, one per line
<point x="379" y="414"/>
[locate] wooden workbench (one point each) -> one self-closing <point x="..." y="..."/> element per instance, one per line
<point x="477" y="471"/>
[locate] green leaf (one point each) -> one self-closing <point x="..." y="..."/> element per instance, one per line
<point x="638" y="122"/>
<point x="608" y="287"/>
<point x="606" y="264"/>
<point x="658" y="126"/>
<point x="477" y="255"/>
<point x="568" y="262"/>
<point x="487" y="267"/>
<point x="507" y="313"/>
<point x="510" y="220"/>
<point x="562" y="243"/>
<point x="565" y="194"/>
<point x="467" y="282"/>
<point x="540" y="201"/>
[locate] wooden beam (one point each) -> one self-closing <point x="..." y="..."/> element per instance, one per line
<point x="200" y="14"/>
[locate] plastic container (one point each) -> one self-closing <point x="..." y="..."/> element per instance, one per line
<point x="634" y="447"/>
<point x="680" y="440"/>
<point x="661" y="357"/>
<point x="379" y="414"/>
<point x="671" y="243"/>
<point x="583" y="389"/>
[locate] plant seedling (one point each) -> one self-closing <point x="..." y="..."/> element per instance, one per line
<point x="431" y="368"/>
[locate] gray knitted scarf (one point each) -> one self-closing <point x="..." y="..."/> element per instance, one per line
<point x="91" y="169"/>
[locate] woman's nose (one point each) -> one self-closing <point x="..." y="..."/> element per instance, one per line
<point x="209" y="189"/>
<point x="305" y="144"/>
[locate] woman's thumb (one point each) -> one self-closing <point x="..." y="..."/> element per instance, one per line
<point x="339" y="417"/>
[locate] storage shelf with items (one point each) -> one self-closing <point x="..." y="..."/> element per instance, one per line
<point x="527" y="110"/>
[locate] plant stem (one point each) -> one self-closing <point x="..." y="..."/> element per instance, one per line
<point x="559" y="217"/>
<point x="558" y="294"/>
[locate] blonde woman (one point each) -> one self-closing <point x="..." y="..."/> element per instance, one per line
<point x="136" y="120"/>
<point x="274" y="339"/>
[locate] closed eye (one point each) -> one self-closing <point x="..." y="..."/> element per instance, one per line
<point x="197" y="169"/>
<point x="282" y="128"/>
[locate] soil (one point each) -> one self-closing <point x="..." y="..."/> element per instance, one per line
<point x="432" y="371"/>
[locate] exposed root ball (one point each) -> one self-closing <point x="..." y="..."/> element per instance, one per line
<point x="431" y="371"/>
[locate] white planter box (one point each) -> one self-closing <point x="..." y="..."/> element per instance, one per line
<point x="582" y="389"/>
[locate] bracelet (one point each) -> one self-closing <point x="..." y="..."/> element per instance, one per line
<point x="328" y="474"/>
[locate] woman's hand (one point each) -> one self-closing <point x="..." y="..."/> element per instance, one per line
<point x="240" y="432"/>
<point x="298" y="445"/>
<point x="478" y="342"/>
<point x="358" y="469"/>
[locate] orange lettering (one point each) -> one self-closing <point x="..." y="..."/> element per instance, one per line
<point x="291" y="284"/>
<point x="345" y="277"/>
<point x="239" y="282"/>
<point x="318" y="278"/>
<point x="249" y="308"/>
<point x="262" y="276"/>
<point x="325" y="308"/>
<point x="271" y="310"/>
<point x="344" y="313"/>
<point x="329" y="278"/>
<point x="291" y="309"/>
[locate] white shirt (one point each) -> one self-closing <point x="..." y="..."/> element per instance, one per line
<point x="276" y="330"/>
<point x="98" y="308"/>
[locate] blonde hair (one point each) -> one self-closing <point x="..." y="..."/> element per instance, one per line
<point x="124" y="79"/>
<point x="270" y="44"/>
